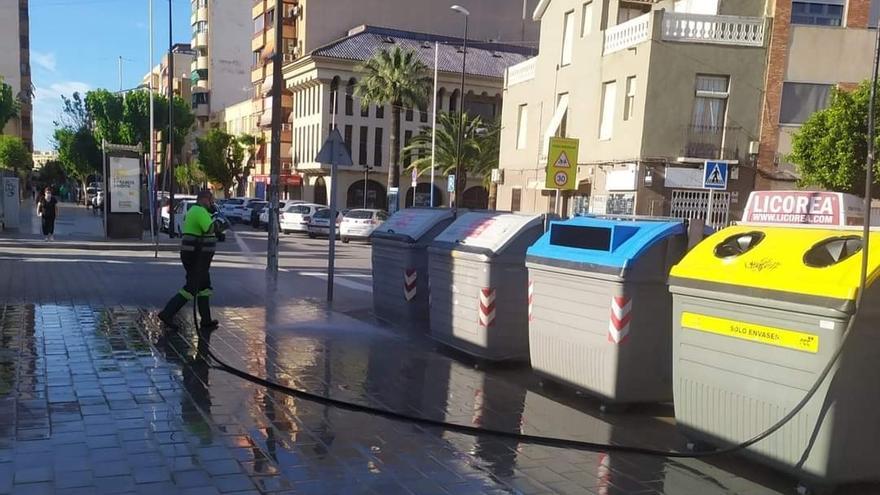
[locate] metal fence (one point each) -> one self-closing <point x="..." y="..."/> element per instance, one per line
<point x="690" y="204"/>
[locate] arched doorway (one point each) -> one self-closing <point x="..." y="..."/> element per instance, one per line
<point x="475" y="198"/>
<point x="423" y="196"/>
<point x="320" y="191"/>
<point x="376" y="197"/>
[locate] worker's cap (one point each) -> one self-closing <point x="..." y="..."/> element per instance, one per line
<point x="205" y="194"/>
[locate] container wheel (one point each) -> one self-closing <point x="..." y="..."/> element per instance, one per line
<point x="345" y="240"/>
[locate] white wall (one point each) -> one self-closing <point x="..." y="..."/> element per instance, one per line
<point x="10" y="53"/>
<point x="230" y="30"/>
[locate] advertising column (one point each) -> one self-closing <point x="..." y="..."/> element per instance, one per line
<point x="122" y="207"/>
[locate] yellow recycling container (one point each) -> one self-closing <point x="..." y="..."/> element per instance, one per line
<point x="758" y="311"/>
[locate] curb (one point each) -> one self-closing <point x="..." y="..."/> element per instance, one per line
<point x="86" y="246"/>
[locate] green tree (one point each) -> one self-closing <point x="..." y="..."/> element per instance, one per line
<point x="78" y="151"/>
<point x="479" y="150"/>
<point x="8" y="104"/>
<point x="831" y="148"/>
<point x="15" y="155"/>
<point x="397" y="78"/>
<point x="51" y="173"/>
<point x="125" y="119"/>
<point x="221" y="157"/>
<point x="190" y="175"/>
<point x="251" y="145"/>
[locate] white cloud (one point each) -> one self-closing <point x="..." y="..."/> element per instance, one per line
<point x="45" y="60"/>
<point x="47" y="108"/>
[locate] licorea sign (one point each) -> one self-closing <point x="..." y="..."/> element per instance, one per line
<point x="804" y="208"/>
<point x="124" y="184"/>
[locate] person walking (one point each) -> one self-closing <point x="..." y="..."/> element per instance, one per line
<point x="47" y="210"/>
<point x="201" y="228"/>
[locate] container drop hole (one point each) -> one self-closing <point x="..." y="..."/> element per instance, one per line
<point x="832" y="251"/>
<point x="738" y="244"/>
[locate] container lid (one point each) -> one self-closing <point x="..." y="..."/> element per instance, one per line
<point x="486" y="230"/>
<point x="411" y="224"/>
<point x="817" y="262"/>
<point x="600" y="241"/>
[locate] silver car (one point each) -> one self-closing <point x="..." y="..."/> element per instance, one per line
<point x="320" y="223"/>
<point x="360" y="223"/>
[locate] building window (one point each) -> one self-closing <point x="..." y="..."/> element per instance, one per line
<point x="625" y="14"/>
<point x="377" y="148"/>
<point x="818" y="12"/>
<point x="270" y="17"/>
<point x="334" y="96"/>
<point x="409" y="114"/>
<point x="362" y="146"/>
<point x="710" y="103"/>
<point x="423" y="114"/>
<point x="515" y="199"/>
<point x="606" y="124"/>
<point x="348" y="132"/>
<point x="365" y="110"/>
<point x="349" y="97"/>
<point x="630" y="102"/>
<point x="586" y="19"/>
<point x="567" y="37"/>
<point x="259" y="24"/>
<point x="200" y="27"/>
<point x="522" y="126"/>
<point x="800" y="100"/>
<point x="407" y="157"/>
<point x="562" y="129"/>
<point x="453" y="101"/>
<point x="380" y="111"/>
<point x="874" y="14"/>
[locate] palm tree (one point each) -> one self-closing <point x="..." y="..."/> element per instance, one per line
<point x="250" y="144"/>
<point x="397" y="78"/>
<point x="479" y="149"/>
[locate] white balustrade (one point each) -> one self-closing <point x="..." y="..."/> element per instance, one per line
<point x="628" y="34"/>
<point x="716" y="29"/>
<point x="521" y="72"/>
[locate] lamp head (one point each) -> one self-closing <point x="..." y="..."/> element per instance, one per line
<point x="461" y="10"/>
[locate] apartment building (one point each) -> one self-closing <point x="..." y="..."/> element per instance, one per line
<point x="183" y="56"/>
<point x="651" y="89"/>
<point x="220" y="71"/>
<point x="15" y="66"/>
<point x="816" y="45"/>
<point x="323" y="91"/>
<point x="309" y="25"/>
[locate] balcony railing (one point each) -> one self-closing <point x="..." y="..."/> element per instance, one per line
<point x="521" y="72"/>
<point x="711" y="142"/>
<point x="716" y="29"/>
<point x="628" y="34"/>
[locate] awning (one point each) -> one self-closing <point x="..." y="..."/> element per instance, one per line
<point x="293" y="180"/>
<point x="558" y="114"/>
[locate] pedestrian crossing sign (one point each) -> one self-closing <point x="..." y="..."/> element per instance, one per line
<point x="562" y="164"/>
<point x="715" y="175"/>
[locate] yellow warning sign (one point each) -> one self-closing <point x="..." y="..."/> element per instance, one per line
<point x="562" y="164"/>
<point x="778" y="337"/>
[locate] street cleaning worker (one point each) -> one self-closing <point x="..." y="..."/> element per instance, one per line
<point x="201" y="228"/>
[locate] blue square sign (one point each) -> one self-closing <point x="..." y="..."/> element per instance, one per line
<point x="715" y="175"/>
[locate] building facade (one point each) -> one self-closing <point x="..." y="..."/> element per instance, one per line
<point x="651" y="89"/>
<point x="322" y="86"/>
<point x="15" y="66"/>
<point x="816" y="45"/>
<point x="219" y="72"/>
<point x="309" y="25"/>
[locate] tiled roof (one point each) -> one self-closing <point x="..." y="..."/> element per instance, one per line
<point x="483" y="59"/>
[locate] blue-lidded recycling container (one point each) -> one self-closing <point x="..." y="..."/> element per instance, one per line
<point x="600" y="313"/>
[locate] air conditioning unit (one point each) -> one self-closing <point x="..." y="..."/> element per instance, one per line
<point x="293" y="11"/>
<point x="498" y="176"/>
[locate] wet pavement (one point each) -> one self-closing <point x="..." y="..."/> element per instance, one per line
<point x="98" y="400"/>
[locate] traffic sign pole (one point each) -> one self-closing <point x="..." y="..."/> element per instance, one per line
<point x="709" y="221"/>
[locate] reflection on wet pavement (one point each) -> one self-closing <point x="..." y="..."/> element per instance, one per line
<point x="98" y="400"/>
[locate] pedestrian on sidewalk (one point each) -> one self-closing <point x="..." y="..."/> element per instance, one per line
<point x="201" y="226"/>
<point x="47" y="210"/>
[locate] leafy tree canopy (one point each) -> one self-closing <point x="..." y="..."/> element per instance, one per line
<point x="8" y="104"/>
<point x="14" y="154"/>
<point x="221" y="157"/>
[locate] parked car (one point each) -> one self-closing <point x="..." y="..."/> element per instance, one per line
<point x="165" y="216"/>
<point x="296" y="218"/>
<point x="256" y="209"/>
<point x="360" y="223"/>
<point x="244" y="213"/>
<point x="230" y="207"/>
<point x="263" y="217"/>
<point x="180" y="215"/>
<point x="320" y="223"/>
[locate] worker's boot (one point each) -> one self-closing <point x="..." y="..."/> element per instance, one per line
<point x="207" y="323"/>
<point x="174" y="305"/>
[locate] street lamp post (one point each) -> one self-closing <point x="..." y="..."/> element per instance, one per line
<point x="458" y="168"/>
<point x="367" y="169"/>
<point x="170" y="168"/>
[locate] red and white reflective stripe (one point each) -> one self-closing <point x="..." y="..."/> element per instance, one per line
<point x="603" y="472"/>
<point x="487" y="307"/>
<point x="531" y="299"/>
<point x="410" y="277"/>
<point x="618" y="326"/>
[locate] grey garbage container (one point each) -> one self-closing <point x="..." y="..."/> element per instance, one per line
<point x="600" y="310"/>
<point x="479" y="284"/>
<point x="758" y="312"/>
<point x="400" y="265"/>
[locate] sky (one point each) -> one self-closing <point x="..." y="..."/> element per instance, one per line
<point x="76" y="45"/>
